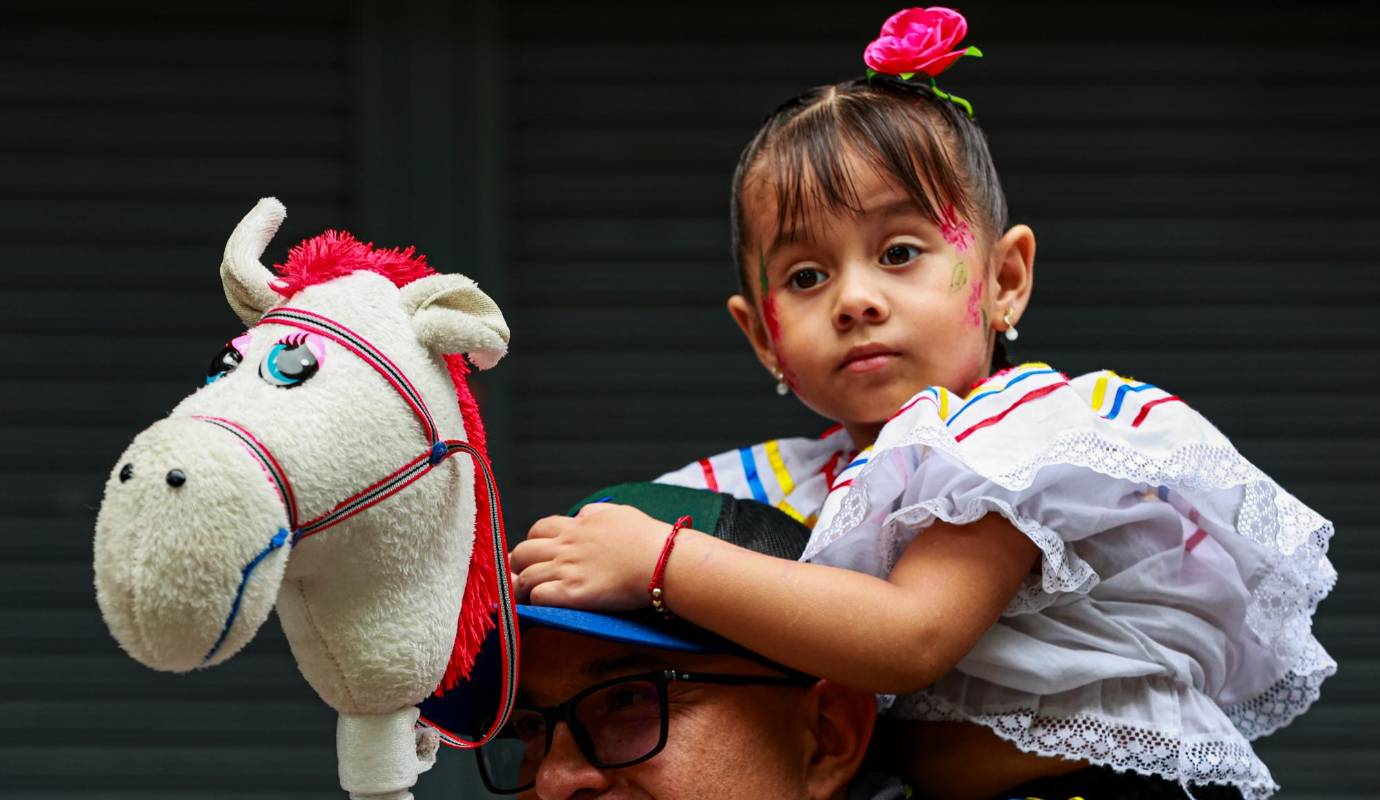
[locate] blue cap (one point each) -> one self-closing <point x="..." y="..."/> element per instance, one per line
<point x="463" y="710"/>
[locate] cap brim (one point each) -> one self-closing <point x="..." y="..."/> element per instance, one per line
<point x="632" y="629"/>
<point x="460" y="711"/>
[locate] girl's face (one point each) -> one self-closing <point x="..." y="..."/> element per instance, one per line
<point x="864" y="310"/>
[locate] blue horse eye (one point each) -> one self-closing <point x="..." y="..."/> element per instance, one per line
<point x="288" y="365"/>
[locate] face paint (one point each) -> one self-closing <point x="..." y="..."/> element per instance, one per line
<point x="958" y="279"/>
<point x="955" y="231"/>
<point x="769" y="317"/>
<point x="977" y="312"/>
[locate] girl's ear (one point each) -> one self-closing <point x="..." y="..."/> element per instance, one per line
<point x="1014" y="264"/>
<point x="745" y="314"/>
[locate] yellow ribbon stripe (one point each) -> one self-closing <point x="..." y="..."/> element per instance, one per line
<point x="1099" y="392"/>
<point x="943" y="403"/>
<point x="783" y="479"/>
<point x="795" y="515"/>
<point x="779" y="467"/>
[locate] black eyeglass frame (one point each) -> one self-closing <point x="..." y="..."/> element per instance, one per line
<point x="565" y="712"/>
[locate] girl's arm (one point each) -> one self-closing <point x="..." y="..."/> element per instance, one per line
<point x="894" y="635"/>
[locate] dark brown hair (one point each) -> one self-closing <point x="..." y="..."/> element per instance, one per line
<point x="929" y="146"/>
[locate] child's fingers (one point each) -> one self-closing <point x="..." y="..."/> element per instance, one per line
<point x="546" y="594"/>
<point x="534" y="576"/>
<point x="590" y="509"/>
<point x="529" y="552"/>
<point x="549" y="527"/>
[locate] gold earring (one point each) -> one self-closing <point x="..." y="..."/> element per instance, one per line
<point x="1011" y="333"/>
<point x="781" y="387"/>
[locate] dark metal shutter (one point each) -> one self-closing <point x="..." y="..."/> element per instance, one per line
<point x="132" y="138"/>
<point x="1201" y="180"/>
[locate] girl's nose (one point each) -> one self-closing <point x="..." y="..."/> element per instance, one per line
<point x="858" y="300"/>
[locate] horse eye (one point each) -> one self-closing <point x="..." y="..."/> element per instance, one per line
<point x="224" y="363"/>
<point x="289" y="364"/>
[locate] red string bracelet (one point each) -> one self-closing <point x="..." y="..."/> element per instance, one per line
<point x="659" y="574"/>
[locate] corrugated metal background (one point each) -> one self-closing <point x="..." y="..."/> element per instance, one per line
<point x="1201" y="180"/>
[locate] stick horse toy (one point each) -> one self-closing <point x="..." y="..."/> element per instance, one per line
<point x="314" y="468"/>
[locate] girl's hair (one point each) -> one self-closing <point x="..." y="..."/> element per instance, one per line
<point x="930" y="147"/>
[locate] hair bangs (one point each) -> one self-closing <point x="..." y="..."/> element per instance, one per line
<point x="807" y="166"/>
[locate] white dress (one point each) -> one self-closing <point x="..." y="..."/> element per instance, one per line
<point x="1170" y="621"/>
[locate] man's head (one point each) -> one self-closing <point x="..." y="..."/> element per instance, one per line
<point x="804" y="739"/>
<point x="633" y="706"/>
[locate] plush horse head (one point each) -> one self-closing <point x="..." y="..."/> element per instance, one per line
<point x="312" y="472"/>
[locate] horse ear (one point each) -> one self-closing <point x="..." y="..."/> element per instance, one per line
<point x="246" y="281"/>
<point x="450" y="315"/>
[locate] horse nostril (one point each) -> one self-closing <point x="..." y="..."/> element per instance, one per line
<point x="126" y="472"/>
<point x="176" y="477"/>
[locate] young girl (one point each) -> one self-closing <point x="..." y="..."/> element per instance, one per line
<point x="1075" y="586"/>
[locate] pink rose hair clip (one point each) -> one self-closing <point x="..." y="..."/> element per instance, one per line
<point x="920" y="41"/>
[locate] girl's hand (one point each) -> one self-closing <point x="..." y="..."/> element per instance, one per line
<point x="598" y="560"/>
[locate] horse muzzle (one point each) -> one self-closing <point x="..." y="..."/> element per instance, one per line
<point x="191" y="544"/>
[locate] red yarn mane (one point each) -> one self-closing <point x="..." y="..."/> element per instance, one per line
<point x="335" y="254"/>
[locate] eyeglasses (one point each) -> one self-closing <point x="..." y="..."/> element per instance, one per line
<point x="616" y="723"/>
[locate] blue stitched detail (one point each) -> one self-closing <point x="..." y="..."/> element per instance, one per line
<point x="278" y="540"/>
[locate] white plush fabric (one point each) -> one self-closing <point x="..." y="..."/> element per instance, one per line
<point x="1169" y="621"/>
<point x="244" y="279"/>
<point x="370" y="605"/>
<point x="164" y="580"/>
<point x="450" y="315"/>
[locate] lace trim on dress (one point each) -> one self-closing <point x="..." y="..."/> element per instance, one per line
<point x="1087" y="738"/>
<point x="1290" y="696"/>
<point x="1061" y="569"/>
<point x="1280" y="608"/>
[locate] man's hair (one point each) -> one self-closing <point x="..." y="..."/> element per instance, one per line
<point x="929" y="146"/>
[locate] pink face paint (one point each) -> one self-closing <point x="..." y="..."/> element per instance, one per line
<point x="977" y="312"/>
<point x="770" y="319"/>
<point x="955" y="230"/>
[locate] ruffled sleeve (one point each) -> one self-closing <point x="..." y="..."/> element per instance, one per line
<point x="1167" y="553"/>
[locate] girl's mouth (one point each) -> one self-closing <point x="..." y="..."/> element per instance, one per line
<point x="871" y="363"/>
<point x="867" y="358"/>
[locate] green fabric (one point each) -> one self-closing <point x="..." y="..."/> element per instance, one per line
<point x="663" y="502"/>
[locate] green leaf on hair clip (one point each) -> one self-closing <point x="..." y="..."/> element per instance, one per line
<point x="905" y="76"/>
<point x="973" y="51"/>
<point x="871" y="73"/>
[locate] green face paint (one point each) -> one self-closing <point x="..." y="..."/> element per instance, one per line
<point x="762" y="271"/>
<point x="958" y="279"/>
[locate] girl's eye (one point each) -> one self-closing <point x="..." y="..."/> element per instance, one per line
<point x="899" y="254"/>
<point x="224" y="363"/>
<point x="289" y="364"/>
<point x="806" y="278"/>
